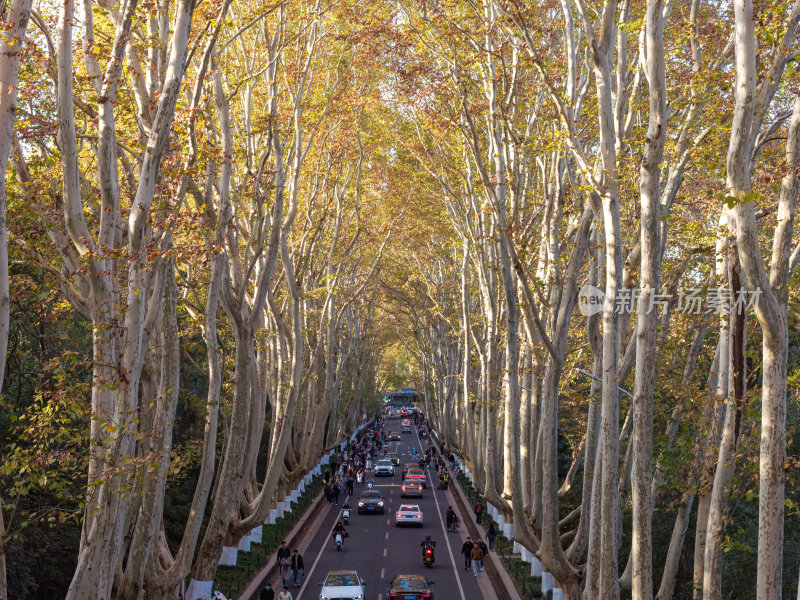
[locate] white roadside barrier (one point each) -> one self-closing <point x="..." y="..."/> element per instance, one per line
<point x="547" y="582"/>
<point x="228" y="556"/>
<point x="256" y="534"/>
<point x="536" y="568"/>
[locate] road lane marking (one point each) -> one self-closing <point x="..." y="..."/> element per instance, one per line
<point x="383" y="573"/>
<point x="444" y="530"/>
<point x="388" y="521"/>
<point x="316" y="561"/>
<point x="387" y="535"/>
<point x="384" y="553"/>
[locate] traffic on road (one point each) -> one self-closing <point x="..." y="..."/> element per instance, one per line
<point x="389" y="547"/>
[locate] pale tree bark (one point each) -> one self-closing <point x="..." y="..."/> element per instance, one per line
<point x="731" y="431"/>
<point x="242" y="317"/>
<point x="467" y="399"/>
<point x="708" y="442"/>
<point x="609" y="442"/>
<point x="150" y="565"/>
<point x="15" y="23"/>
<point x="581" y="542"/>
<point x="118" y="343"/>
<point x="647" y="316"/>
<point x="750" y="104"/>
<point x="551" y="552"/>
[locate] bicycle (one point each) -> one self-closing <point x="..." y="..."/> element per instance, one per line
<point x="455" y="524"/>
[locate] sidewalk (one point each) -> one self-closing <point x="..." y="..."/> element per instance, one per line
<point x="487" y="582"/>
<point x="498" y="580"/>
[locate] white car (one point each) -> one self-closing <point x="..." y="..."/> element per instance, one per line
<point x="342" y="584"/>
<point x="408" y="514"/>
<point x="384" y="467"/>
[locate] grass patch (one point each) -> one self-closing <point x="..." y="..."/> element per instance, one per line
<point x="232" y="581"/>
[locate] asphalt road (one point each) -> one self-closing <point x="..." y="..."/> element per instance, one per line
<point x="378" y="550"/>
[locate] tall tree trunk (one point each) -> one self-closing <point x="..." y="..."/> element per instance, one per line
<point x="726" y="461"/>
<point x="672" y="561"/>
<point x="647" y="315"/>
<point x="15" y="23"/>
<point x="750" y="105"/>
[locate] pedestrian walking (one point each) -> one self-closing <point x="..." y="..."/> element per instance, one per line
<point x="476" y="555"/>
<point x="490" y="535"/>
<point x="283" y="552"/>
<point x="286" y="568"/>
<point x="466" y="550"/>
<point x="267" y="593"/>
<point x="482" y="545"/>
<point x="285" y="594"/>
<point x="297" y="567"/>
<point x="337" y="489"/>
<point x="478" y="512"/>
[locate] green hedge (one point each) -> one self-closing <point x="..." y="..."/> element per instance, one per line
<point x="232" y="581"/>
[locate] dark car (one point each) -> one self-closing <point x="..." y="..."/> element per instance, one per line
<point x="394" y="458"/>
<point x="394" y="437"/>
<point x="371" y="501"/>
<point x="409" y="587"/>
<point x="408" y="466"/>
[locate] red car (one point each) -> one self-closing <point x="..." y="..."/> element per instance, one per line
<point x="409" y="587"/>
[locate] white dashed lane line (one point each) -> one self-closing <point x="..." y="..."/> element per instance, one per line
<point x="444" y="530"/>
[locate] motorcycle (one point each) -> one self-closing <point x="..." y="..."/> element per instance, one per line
<point x="370" y="483"/>
<point x="345" y="516"/>
<point x="338" y="540"/>
<point x="428" y="557"/>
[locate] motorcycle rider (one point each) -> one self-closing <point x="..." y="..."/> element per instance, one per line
<point x="339" y="528"/>
<point x="426" y="544"/>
